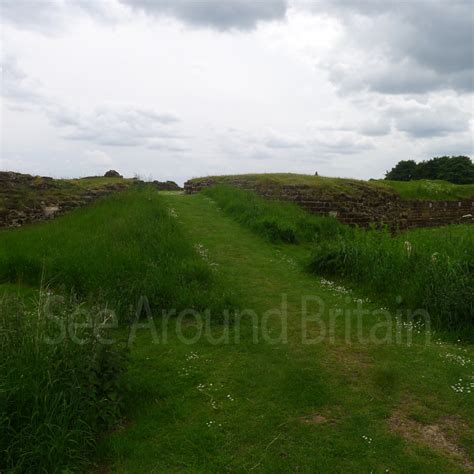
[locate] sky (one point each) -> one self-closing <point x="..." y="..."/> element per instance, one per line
<point x="175" y="89"/>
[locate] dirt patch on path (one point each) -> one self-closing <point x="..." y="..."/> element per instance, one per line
<point x="441" y="436"/>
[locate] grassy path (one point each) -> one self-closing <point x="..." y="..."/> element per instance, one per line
<point x="276" y="404"/>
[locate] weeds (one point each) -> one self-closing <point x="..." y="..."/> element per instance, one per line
<point x="430" y="269"/>
<point x="59" y="383"/>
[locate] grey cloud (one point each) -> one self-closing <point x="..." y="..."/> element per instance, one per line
<point x="54" y="16"/>
<point x="32" y="15"/>
<point x="322" y="140"/>
<point x="420" y="45"/>
<point x="17" y="87"/>
<point x="375" y="128"/>
<point x="461" y="144"/>
<point x="218" y="14"/>
<point x="343" y="146"/>
<point x="387" y="78"/>
<point x="430" y="119"/>
<point x="168" y="148"/>
<point x="428" y="124"/>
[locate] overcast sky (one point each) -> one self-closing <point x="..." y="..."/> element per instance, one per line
<point x="173" y="89"/>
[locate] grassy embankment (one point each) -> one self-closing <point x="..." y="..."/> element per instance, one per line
<point x="428" y="269"/>
<point x="32" y="191"/>
<point x="422" y="189"/>
<point x="55" y="397"/>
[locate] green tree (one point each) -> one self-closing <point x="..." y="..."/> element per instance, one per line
<point x="456" y="169"/>
<point x="402" y="171"/>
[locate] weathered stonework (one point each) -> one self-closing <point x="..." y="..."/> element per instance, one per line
<point x="25" y="199"/>
<point x="166" y="186"/>
<point x="370" y="206"/>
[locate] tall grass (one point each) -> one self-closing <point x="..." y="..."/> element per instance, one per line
<point x="430" y="269"/>
<point x="56" y="397"/>
<point x="59" y="384"/>
<point x="124" y="247"/>
<point x="277" y="221"/>
<point x="429" y="189"/>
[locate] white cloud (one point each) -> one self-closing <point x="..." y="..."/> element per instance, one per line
<point x="112" y="125"/>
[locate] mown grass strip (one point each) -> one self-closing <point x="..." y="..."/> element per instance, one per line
<point x="277" y="221"/>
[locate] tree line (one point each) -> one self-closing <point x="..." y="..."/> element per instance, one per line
<point x="456" y="169"/>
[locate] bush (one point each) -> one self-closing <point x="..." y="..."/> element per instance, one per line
<point x="60" y="384"/>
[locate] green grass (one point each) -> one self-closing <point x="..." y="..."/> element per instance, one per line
<point x="435" y="190"/>
<point x="424" y="189"/>
<point x="116" y="251"/>
<point x="295" y="392"/>
<point x="277" y="221"/>
<point x="59" y="385"/>
<point x="428" y="269"/>
<point x="277" y="387"/>
<point x="55" y="398"/>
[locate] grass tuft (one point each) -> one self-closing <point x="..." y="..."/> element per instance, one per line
<point x="60" y="385"/>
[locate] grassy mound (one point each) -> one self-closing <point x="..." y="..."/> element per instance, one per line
<point x="21" y="191"/>
<point x="423" y="189"/>
<point x="434" y="190"/>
